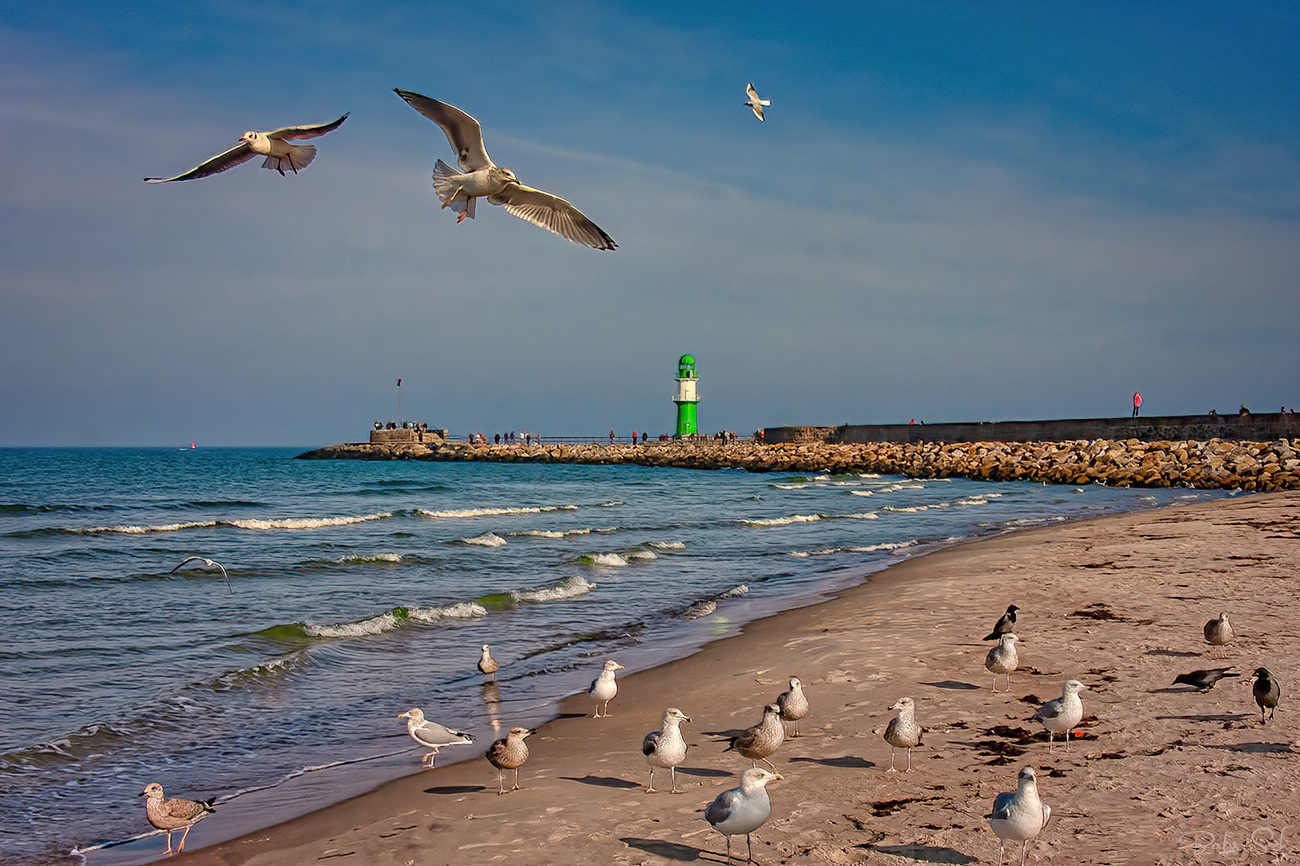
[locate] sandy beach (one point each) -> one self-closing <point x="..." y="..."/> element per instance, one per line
<point x="1160" y="774"/>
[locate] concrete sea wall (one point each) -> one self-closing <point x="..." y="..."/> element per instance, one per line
<point x="1216" y="463"/>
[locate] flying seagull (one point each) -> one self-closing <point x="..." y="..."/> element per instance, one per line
<point x="207" y="563"/>
<point x="755" y="102"/>
<point x="173" y="813"/>
<point x="432" y="735"/>
<point x="793" y="704"/>
<point x="482" y="177"/>
<point x="1218" y="632"/>
<point x="604" y="687"/>
<point x="275" y="146"/>
<point x="509" y="753"/>
<point x="1061" y="715"/>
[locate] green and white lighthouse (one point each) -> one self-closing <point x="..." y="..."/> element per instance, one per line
<point x="687" y="397"/>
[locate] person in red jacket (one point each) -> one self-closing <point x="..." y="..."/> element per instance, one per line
<point x="1137" y="403"/>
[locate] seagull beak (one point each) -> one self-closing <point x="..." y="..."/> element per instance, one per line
<point x="404" y="716"/>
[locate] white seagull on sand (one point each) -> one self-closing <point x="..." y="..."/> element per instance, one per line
<point x="665" y="747"/>
<point x="1061" y="715"/>
<point x="275" y="146"/>
<point x="755" y="102"/>
<point x="432" y="735"/>
<point x="208" y="564"/>
<point x="480" y="176"/>
<point x="173" y="813"/>
<point x="604" y="687"/>
<point x="743" y="809"/>
<point x="1019" y="816"/>
<point x="1002" y="659"/>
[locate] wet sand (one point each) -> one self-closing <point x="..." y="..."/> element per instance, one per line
<point x="1159" y="775"/>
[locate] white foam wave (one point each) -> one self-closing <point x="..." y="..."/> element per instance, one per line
<point x="642" y="554"/>
<point x="490" y="512"/>
<point x="567" y="588"/>
<point x="140" y="530"/>
<point x="376" y="557"/>
<point x="783" y="521"/>
<point x="487" y="539"/>
<point x="608" y="560"/>
<point x="554" y="533"/>
<point x="375" y="625"/>
<point x="668" y="545"/>
<point x="870" y="548"/>
<point x="461" y="610"/>
<point x="308" y="522"/>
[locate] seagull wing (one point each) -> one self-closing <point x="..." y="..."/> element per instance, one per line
<point x="648" y="744"/>
<point x="433" y="734"/>
<point x="238" y="154"/>
<point x="289" y="133"/>
<point x="463" y="132"/>
<point x="753" y="94"/>
<point x="1002" y="806"/>
<point x="1050" y="710"/>
<point x="722" y="807"/>
<point x="553" y="214"/>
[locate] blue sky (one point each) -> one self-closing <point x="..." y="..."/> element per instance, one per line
<point x="955" y="211"/>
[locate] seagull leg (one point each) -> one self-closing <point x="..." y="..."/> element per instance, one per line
<point x="891" y="761"/>
<point x="515" y="786"/>
<point x="749" y="845"/>
<point x="181" y="847"/>
<point x="650" y="788"/>
<point x="770" y="764"/>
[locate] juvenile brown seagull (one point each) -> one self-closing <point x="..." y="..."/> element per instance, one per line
<point x="509" y="753"/>
<point x="480" y="176"/>
<point x="173" y="813"/>
<point x="761" y="741"/>
<point x="755" y="102"/>
<point x="793" y="704"/>
<point x="1218" y="632"/>
<point x="903" y="732"/>
<point x="275" y="146"/>
<point x="487" y="665"/>
<point x="665" y="747"/>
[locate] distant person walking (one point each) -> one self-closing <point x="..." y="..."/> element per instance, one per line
<point x="1137" y="403"/>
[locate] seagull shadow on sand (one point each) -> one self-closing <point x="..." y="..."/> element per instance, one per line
<point x="667" y="850"/>
<point x="704" y="772"/>
<point x="847" y="762"/>
<point x="602" y="781"/>
<point x="1172" y="653"/>
<point x="456" y="789"/>
<point x="922" y="853"/>
<point x="953" y="684"/>
<point x="1260" y="748"/>
<point x="1207" y="717"/>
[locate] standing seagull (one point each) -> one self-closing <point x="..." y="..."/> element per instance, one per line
<point x="209" y="564"/>
<point x="1061" y="715"/>
<point x="743" y="809"/>
<point x="1218" y="632"/>
<point x="1005" y="625"/>
<point x="487" y="665"/>
<point x="509" y="753"/>
<point x="432" y="735"/>
<point x="761" y="741"/>
<point x="1002" y="659"/>
<point x="665" y="747"/>
<point x="173" y="813"/>
<point x="483" y="177"/>
<point x="1019" y="816"/>
<point x="903" y="732"/>
<point x="792" y="704"/>
<point x="1266" y="691"/>
<point x="275" y="146"/>
<point x="604" y="687"/>
<point x="755" y="102"/>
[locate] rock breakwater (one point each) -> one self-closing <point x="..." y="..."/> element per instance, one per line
<point x="1216" y="463"/>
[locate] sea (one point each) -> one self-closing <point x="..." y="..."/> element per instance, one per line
<point x="355" y="590"/>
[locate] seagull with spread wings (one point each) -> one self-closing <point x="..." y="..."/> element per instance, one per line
<point x="755" y="102"/>
<point x="480" y="176"/>
<point x="275" y="146"/>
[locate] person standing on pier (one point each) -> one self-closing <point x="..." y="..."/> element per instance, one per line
<point x="1137" y="403"/>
